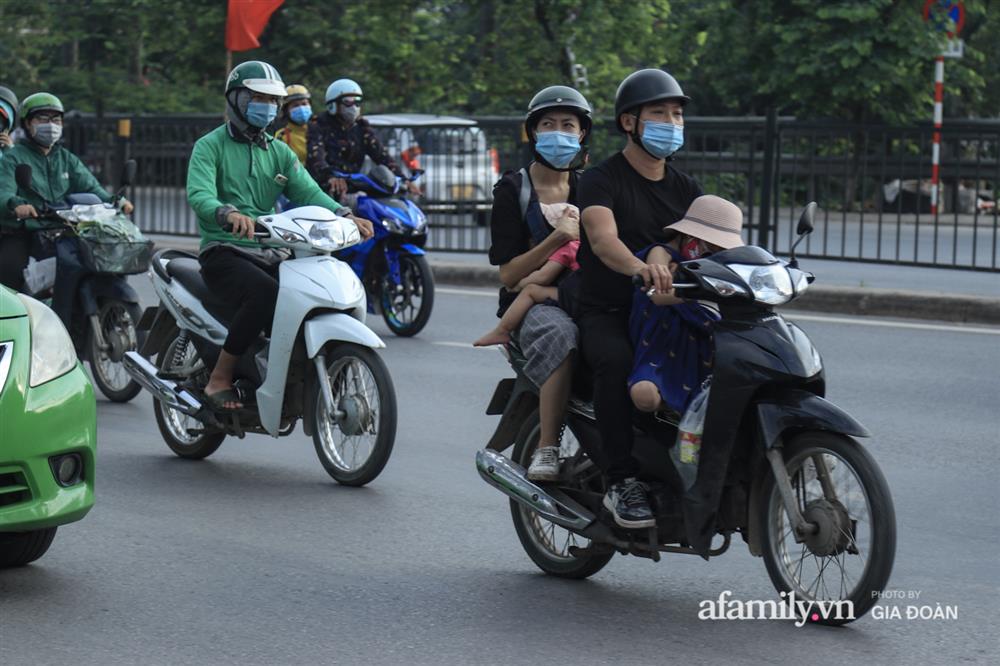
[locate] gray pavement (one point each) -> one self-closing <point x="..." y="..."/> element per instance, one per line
<point x="255" y="556"/>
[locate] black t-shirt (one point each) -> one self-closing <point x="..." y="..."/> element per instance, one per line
<point x="642" y="207"/>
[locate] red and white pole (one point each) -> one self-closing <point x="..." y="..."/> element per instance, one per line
<point x="938" y="115"/>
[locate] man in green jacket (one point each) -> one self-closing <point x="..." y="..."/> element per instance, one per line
<point x="235" y="175"/>
<point x="55" y="172"/>
<point x="8" y="118"/>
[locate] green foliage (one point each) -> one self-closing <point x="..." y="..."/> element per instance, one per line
<point x="841" y="59"/>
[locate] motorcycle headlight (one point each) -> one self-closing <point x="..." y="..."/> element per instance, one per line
<point x="52" y="352"/>
<point x="289" y="236"/>
<point x="724" y="287"/>
<point x="769" y="284"/>
<point x="394" y="225"/>
<point x="334" y="235"/>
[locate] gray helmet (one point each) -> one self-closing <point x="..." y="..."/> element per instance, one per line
<point x="562" y="98"/>
<point x="643" y="87"/>
<point x="7" y="95"/>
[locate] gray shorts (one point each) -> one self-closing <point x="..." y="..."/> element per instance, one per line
<point x="547" y="336"/>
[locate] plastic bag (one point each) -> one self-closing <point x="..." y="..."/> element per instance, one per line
<point x="687" y="449"/>
<point x="40" y="276"/>
<point x="110" y="242"/>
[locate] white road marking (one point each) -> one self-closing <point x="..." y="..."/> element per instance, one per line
<point x="464" y="345"/>
<point x="866" y="321"/>
<point x="466" y="292"/>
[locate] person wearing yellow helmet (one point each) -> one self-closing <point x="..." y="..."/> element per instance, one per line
<point x="296" y="114"/>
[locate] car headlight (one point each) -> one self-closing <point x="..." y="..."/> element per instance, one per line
<point x="769" y="284"/>
<point x="52" y="352"/>
<point x="334" y="235"/>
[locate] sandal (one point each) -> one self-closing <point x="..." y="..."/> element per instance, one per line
<point x="217" y="401"/>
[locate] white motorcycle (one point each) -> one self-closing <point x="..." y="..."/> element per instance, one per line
<point x="318" y="365"/>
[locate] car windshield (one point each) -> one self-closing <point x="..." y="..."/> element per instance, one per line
<point x="450" y="140"/>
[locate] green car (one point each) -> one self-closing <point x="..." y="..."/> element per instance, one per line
<point x="48" y="430"/>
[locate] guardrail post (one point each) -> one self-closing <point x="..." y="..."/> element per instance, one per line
<point x="765" y="216"/>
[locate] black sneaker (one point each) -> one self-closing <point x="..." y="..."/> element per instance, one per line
<point x="628" y="503"/>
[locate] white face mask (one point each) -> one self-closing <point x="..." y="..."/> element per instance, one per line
<point x="47" y="134"/>
<point x="348" y="113"/>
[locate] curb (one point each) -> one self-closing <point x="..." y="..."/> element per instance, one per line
<point x="956" y="308"/>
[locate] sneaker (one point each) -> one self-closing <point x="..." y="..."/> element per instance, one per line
<point x="544" y="464"/>
<point x="628" y="503"/>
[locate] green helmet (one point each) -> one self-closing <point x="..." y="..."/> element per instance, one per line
<point x="9" y="99"/>
<point x="256" y="76"/>
<point x="41" y="101"/>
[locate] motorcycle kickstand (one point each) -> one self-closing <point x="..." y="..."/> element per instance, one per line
<point x="653" y="549"/>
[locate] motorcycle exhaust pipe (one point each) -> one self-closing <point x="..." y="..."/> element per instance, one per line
<point x="164" y="390"/>
<point x="511" y="479"/>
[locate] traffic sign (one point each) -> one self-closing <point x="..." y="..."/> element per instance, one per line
<point x="937" y="13"/>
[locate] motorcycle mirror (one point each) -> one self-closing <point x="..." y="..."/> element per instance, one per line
<point x="22" y="175"/>
<point x="128" y="173"/>
<point x="803" y="229"/>
<point x="805" y="225"/>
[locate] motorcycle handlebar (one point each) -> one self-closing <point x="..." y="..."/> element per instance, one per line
<point x="639" y="283"/>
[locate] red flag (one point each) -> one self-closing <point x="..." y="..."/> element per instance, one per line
<point x="246" y="20"/>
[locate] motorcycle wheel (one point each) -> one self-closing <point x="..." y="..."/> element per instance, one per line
<point x="117" y="321"/>
<point x="175" y="426"/>
<point x="546" y="543"/>
<point x="356" y="446"/>
<point x="406" y="308"/>
<point x="20" y="548"/>
<point x="851" y="556"/>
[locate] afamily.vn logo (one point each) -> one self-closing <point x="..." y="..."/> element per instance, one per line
<point x="788" y="608"/>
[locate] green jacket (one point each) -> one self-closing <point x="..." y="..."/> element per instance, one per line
<point x="225" y="173"/>
<point x="53" y="176"/>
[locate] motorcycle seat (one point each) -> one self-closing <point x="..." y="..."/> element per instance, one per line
<point x="187" y="271"/>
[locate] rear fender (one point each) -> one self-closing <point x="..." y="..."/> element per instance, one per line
<point x="521" y="400"/>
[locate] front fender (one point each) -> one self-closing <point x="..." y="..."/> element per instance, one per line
<point x="801" y="410"/>
<point x="412" y="249"/>
<point x="339" y="327"/>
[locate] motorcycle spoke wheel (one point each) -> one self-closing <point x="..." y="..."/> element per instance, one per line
<point x="354" y="445"/>
<point x="406" y="307"/>
<point x="120" y="335"/>
<point x="840" y="491"/>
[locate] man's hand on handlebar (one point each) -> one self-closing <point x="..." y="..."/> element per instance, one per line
<point x="658" y="278"/>
<point x="242" y="225"/>
<point x="24" y="211"/>
<point x="338" y="186"/>
<point x="364" y="226"/>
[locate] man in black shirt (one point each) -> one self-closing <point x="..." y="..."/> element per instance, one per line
<point x="625" y="202"/>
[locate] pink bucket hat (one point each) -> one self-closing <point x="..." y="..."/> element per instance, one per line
<point x="713" y="220"/>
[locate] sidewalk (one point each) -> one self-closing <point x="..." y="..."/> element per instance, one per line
<point x="841" y="286"/>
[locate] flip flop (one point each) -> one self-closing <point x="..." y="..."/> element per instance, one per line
<point x="217" y="401"/>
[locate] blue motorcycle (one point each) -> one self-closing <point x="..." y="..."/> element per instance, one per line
<point x="392" y="264"/>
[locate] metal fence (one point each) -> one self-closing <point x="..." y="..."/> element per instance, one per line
<point x="871" y="181"/>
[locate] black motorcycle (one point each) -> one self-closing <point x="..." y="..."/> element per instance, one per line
<point x="105" y="309"/>
<point x="779" y="464"/>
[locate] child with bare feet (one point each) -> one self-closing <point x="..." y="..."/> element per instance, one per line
<point x="538" y="287"/>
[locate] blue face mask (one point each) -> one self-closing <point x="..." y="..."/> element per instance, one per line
<point x="260" y="114"/>
<point x="662" y="139"/>
<point x="300" y="115"/>
<point x="558" y="148"/>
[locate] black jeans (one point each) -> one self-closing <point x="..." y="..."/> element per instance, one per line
<point x="607" y="349"/>
<point x="249" y="286"/>
<point x="14" y="251"/>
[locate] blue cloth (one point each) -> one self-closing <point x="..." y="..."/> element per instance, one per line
<point x="672" y="343"/>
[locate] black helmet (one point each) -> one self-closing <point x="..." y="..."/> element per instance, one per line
<point x="643" y="87"/>
<point x="7" y="95"/>
<point x="559" y="97"/>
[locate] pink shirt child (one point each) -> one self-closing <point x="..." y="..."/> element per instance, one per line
<point x="566" y="254"/>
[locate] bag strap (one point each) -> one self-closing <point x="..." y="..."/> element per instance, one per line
<point x="525" y="196"/>
<point x="537" y="226"/>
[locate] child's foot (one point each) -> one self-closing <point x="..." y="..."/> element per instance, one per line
<point x="497" y="336"/>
